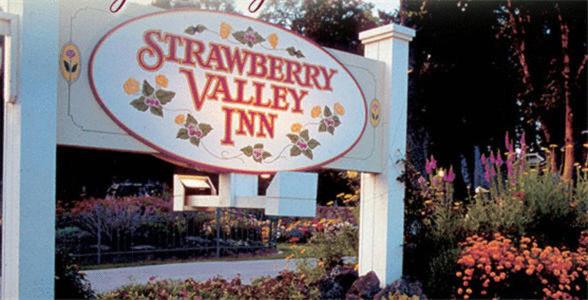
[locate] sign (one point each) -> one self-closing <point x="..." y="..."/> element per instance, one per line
<point x="226" y="92"/>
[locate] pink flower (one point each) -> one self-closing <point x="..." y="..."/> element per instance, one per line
<point x="422" y="180"/>
<point x="152" y="102"/>
<point x="430" y="165"/>
<point x="483" y="158"/>
<point x="450" y="176"/>
<point x="70" y="53"/>
<point x="499" y="160"/>
<point x="250" y="37"/>
<point x="492" y="160"/>
<point x="507" y="141"/>
<point x="302" y="145"/>
<point x="257" y="153"/>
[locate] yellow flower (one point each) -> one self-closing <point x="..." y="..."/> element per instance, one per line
<point x="273" y="40"/>
<point x="225" y="30"/>
<point x="180" y="119"/>
<point x="316" y="111"/>
<point x="296" y="127"/>
<point x="339" y="109"/>
<point x="161" y="80"/>
<point x="131" y="86"/>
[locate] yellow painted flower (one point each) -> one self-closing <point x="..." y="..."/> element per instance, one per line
<point x="161" y="80"/>
<point x="131" y="86"/>
<point x="273" y="40"/>
<point x="316" y="111"/>
<point x="180" y="119"/>
<point x="225" y="30"/>
<point x="296" y="127"/>
<point x="339" y="109"/>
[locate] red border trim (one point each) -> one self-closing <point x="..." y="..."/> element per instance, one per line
<point x="186" y="161"/>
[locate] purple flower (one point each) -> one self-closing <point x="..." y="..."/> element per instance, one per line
<point x="507" y="141"/>
<point x="302" y="145"/>
<point x="70" y="53"/>
<point x="430" y="165"/>
<point x="492" y="160"/>
<point x="499" y="160"/>
<point x="450" y="176"/>
<point x="250" y="36"/>
<point x="483" y="158"/>
<point x="152" y="102"/>
<point x="422" y="180"/>
<point x="257" y="153"/>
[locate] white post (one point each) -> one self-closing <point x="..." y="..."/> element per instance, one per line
<point x="381" y="232"/>
<point x="28" y="225"/>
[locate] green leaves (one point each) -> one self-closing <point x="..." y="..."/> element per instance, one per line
<point x="327" y="112"/>
<point x="293" y="138"/>
<point x="156" y="110"/>
<point x="139" y="104"/>
<point x="147" y="89"/>
<point x="294" y="52"/>
<point x="191" y="30"/>
<point x="313" y="144"/>
<point x="205" y="128"/>
<point x="193" y="131"/>
<point x="256" y="152"/>
<point x="248" y="37"/>
<point x="183" y="134"/>
<point x="164" y="96"/>
<point x="295" y="151"/>
<point x="248" y="151"/>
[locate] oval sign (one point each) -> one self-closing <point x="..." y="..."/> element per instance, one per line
<point x="226" y="92"/>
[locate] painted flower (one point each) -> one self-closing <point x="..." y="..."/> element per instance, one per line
<point x="131" y="86"/>
<point x="329" y="121"/>
<point x="152" y="100"/>
<point x="70" y="53"/>
<point x="302" y="144"/>
<point x="180" y="119"/>
<point x="339" y="109"/>
<point x="248" y="37"/>
<point x="161" y="81"/>
<point x="273" y="40"/>
<point x="193" y="131"/>
<point x="256" y="152"/>
<point x="225" y="30"/>
<point x="316" y="112"/>
<point x="296" y="127"/>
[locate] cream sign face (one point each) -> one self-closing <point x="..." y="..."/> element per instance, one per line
<point x="226" y="92"/>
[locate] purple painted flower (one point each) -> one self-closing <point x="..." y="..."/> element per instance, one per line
<point x="152" y="102"/>
<point x="250" y="36"/>
<point x="70" y="53"/>
<point x="257" y="153"/>
<point x="302" y="144"/>
<point x="193" y="131"/>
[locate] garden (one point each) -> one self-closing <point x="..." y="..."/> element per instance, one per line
<point x="496" y="174"/>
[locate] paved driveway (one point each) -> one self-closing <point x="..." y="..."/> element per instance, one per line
<point x="109" y="279"/>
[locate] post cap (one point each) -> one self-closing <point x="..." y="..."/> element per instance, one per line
<point x="390" y="31"/>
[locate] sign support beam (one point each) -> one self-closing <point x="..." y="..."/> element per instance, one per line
<point x="381" y="234"/>
<point x="28" y="225"/>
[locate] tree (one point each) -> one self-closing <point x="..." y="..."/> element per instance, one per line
<point x="548" y="47"/>
<point x="333" y="24"/>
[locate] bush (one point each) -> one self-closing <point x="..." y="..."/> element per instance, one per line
<point x="70" y="283"/>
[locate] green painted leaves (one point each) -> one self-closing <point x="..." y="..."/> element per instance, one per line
<point x="256" y="152"/>
<point x="193" y="131"/>
<point x="329" y="121"/>
<point x="294" y="52"/>
<point x="191" y="30"/>
<point x="248" y="37"/>
<point x="302" y="144"/>
<point x="151" y="99"/>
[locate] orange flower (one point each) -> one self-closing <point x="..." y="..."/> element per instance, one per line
<point x="161" y="80"/>
<point x="225" y="30"/>
<point x="458" y="274"/>
<point x="296" y="127"/>
<point x="339" y="109"/>
<point x="180" y="119"/>
<point x="131" y="86"/>
<point x="316" y="111"/>
<point x="272" y="39"/>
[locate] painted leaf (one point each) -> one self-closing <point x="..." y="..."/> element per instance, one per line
<point x="191" y="30"/>
<point x="293" y="138"/>
<point x="195" y="141"/>
<point x="331" y="130"/>
<point x="248" y="151"/>
<point x="191" y="120"/>
<point x="74" y="68"/>
<point x="147" y="88"/>
<point x="293" y="52"/>
<point x="156" y="110"/>
<point x="295" y="151"/>
<point x="322" y="127"/>
<point x="205" y="128"/>
<point x="139" y="104"/>
<point x="183" y="134"/>
<point x="258" y="146"/>
<point x="164" y="96"/>
<point x="327" y="112"/>
<point x="313" y="143"/>
<point x="308" y="153"/>
<point x="337" y="121"/>
<point x="67" y="66"/>
<point x="304" y="134"/>
<point x="266" y="155"/>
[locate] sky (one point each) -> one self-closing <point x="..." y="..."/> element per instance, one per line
<point x="386" y="5"/>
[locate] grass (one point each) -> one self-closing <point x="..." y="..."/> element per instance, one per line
<point x="283" y="250"/>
